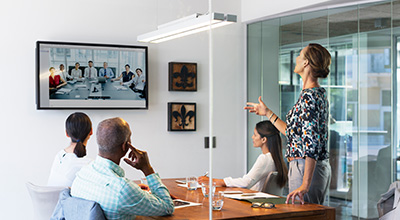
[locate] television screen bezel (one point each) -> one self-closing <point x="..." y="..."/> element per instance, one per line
<point x="41" y="42"/>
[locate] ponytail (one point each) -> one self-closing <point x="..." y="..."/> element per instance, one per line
<point x="78" y="127"/>
<point x="80" y="149"/>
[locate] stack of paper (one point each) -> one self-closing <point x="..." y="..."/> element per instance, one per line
<point x="121" y="88"/>
<point x="63" y="91"/>
<point x="247" y="196"/>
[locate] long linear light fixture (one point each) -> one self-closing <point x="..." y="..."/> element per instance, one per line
<point x="185" y="26"/>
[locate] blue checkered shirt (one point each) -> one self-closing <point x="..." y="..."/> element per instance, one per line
<point x="103" y="181"/>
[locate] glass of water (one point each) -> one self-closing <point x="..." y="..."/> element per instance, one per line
<point x="205" y="188"/>
<point x="191" y="182"/>
<point x="143" y="180"/>
<point x="218" y="200"/>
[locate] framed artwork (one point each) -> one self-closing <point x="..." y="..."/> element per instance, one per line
<point x="182" y="77"/>
<point x="181" y="116"/>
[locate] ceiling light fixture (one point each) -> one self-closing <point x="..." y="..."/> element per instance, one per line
<point x="185" y="26"/>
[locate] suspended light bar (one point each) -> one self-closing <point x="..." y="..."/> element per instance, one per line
<point x="185" y="26"/>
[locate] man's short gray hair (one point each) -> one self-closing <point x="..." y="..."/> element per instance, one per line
<point x="111" y="134"/>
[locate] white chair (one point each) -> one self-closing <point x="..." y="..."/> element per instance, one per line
<point x="44" y="199"/>
<point x="271" y="185"/>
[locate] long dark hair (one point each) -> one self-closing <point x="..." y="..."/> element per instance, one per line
<point x="78" y="127"/>
<point x="274" y="144"/>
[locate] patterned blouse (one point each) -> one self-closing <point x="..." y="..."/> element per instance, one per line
<point x="307" y="125"/>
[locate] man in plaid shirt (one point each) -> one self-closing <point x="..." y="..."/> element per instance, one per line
<point x="103" y="180"/>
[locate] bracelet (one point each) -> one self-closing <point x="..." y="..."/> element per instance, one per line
<point x="273" y="123"/>
<point x="271" y="116"/>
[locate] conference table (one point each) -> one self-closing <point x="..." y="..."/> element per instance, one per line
<point x="235" y="209"/>
<point x="85" y="88"/>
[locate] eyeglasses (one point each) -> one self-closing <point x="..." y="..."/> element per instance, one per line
<point x="266" y="205"/>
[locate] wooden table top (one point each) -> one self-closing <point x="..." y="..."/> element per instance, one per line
<point x="235" y="209"/>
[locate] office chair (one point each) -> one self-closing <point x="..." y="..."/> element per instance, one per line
<point x="44" y="199"/>
<point x="271" y="184"/>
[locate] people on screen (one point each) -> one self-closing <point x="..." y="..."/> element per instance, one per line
<point x="106" y="71"/>
<point x="306" y="128"/>
<point x="55" y="81"/>
<point x="76" y="73"/>
<point x="63" y="73"/>
<point x="126" y="76"/>
<point x="267" y="138"/>
<point x="90" y="71"/>
<point x="140" y="80"/>
<point x="104" y="181"/>
<point x="70" y="160"/>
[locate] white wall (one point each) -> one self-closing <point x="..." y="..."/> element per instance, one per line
<point x="30" y="138"/>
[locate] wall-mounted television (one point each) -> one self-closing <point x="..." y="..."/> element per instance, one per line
<point x="91" y="76"/>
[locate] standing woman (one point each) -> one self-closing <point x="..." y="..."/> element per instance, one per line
<point x="70" y="160"/>
<point x="306" y="128"/>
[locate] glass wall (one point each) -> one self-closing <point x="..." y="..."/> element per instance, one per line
<point x="362" y="92"/>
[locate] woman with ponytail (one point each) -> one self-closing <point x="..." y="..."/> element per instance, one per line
<point x="70" y="160"/>
<point x="266" y="137"/>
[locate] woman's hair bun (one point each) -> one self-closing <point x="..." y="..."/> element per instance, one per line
<point x="319" y="59"/>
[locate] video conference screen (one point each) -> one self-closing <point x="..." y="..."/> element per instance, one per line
<point x="90" y="76"/>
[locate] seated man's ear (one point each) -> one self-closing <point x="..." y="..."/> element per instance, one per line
<point x="125" y="147"/>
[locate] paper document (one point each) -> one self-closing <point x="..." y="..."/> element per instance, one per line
<point x="184" y="185"/>
<point x="63" y="91"/>
<point x="121" y="88"/>
<point x="246" y="196"/>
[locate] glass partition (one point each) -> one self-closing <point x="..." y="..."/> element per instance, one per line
<point x="362" y="92"/>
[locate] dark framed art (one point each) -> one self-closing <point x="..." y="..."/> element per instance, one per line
<point x="181" y="116"/>
<point x="182" y="76"/>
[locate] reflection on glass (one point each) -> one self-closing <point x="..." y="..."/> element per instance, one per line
<point x="361" y="88"/>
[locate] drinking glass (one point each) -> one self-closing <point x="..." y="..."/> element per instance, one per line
<point x="191" y="182"/>
<point x="143" y="180"/>
<point x="205" y="188"/>
<point x="218" y="200"/>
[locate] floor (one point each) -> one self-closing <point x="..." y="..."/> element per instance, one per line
<point x="343" y="209"/>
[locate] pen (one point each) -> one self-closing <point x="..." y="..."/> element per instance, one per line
<point x="206" y="174"/>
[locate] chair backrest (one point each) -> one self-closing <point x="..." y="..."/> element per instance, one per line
<point x="44" y="199"/>
<point x="73" y="208"/>
<point x="271" y="184"/>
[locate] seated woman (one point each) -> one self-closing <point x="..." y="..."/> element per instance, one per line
<point x="140" y="81"/>
<point x="55" y="81"/>
<point x="71" y="159"/>
<point x="266" y="137"/>
<point x="126" y="76"/>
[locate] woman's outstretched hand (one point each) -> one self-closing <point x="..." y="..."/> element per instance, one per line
<point x="259" y="108"/>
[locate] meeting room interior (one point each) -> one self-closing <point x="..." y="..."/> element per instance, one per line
<point x="227" y="105"/>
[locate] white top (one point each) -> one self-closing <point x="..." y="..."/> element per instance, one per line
<point x="93" y="72"/>
<point x="256" y="177"/>
<point x="139" y="82"/>
<point x="76" y="73"/>
<point x="64" y="75"/>
<point x="65" y="166"/>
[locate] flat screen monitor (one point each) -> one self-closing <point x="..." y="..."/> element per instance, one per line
<point x="91" y="76"/>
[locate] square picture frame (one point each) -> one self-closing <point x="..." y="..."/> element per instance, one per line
<point x="182" y="116"/>
<point x="182" y="76"/>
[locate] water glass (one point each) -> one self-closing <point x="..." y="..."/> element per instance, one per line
<point x="143" y="180"/>
<point x="191" y="182"/>
<point x="218" y="200"/>
<point x="205" y="188"/>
